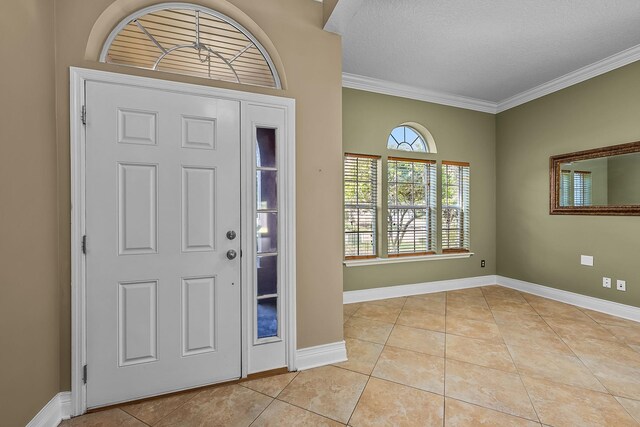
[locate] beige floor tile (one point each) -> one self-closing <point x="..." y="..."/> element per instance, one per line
<point x="420" y="340"/>
<point x="473" y="328"/>
<point x="636" y="347"/>
<point x="152" y="410"/>
<point x="390" y="302"/>
<point x="385" y="403"/>
<point x="362" y="355"/>
<point x="562" y="405"/>
<point x="535" y="339"/>
<point x="367" y="330"/>
<point x="410" y="368"/>
<point x="497" y="291"/>
<point x="283" y="414"/>
<point x="470" y="312"/>
<point x="620" y="379"/>
<point x="493" y="389"/>
<point x="607" y="319"/>
<point x="469" y="292"/>
<point x="604" y="351"/>
<point x="510" y="305"/>
<point x="433" y="303"/>
<point x="328" y="391"/>
<point x="380" y="313"/>
<point x="630" y="335"/>
<point x="549" y="308"/>
<point x="227" y="405"/>
<point x="271" y="386"/>
<point x="107" y="418"/>
<point x="558" y="368"/>
<point x="462" y="414"/>
<point x="422" y="320"/>
<point x="632" y="407"/>
<point x="479" y="352"/>
<point x="526" y="321"/>
<point x="348" y="310"/>
<point x="579" y="329"/>
<point x="466" y="301"/>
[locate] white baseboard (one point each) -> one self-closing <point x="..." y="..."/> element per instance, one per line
<point x="56" y="410"/>
<point x="320" y="355"/>
<point x="596" y="304"/>
<point x="416" y="289"/>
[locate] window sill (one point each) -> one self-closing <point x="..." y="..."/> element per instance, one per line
<point x="397" y="260"/>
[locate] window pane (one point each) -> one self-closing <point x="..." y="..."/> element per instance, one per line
<point x="407" y="139"/>
<point x="266" y="148"/>
<point x="360" y="202"/>
<point x="267" y="232"/>
<point x="267" y="317"/>
<point x="267" y="275"/>
<point x="455" y="207"/>
<point x="266" y="189"/>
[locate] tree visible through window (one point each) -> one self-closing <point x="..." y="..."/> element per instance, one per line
<point x="360" y="205"/>
<point x="455" y="207"/>
<point x="411" y="206"/>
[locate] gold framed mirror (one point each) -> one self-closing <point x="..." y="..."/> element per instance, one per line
<point x="602" y="181"/>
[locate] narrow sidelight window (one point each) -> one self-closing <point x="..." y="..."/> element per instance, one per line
<point x="455" y="207"/>
<point x="411" y="228"/>
<point x="360" y="205"/>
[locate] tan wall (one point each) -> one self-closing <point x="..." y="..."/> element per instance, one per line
<point x="312" y="61"/>
<point x="30" y="301"/>
<point x="545" y="249"/>
<point x="461" y="135"/>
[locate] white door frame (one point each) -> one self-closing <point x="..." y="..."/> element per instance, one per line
<point x="78" y="78"/>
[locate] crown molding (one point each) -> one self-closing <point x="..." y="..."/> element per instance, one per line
<point x="590" y="71"/>
<point x="369" y="84"/>
<point x="354" y="81"/>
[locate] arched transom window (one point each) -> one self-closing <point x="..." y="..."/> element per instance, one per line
<point x="406" y="139"/>
<point x="193" y="40"/>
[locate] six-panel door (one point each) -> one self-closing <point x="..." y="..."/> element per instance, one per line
<point x="162" y="191"/>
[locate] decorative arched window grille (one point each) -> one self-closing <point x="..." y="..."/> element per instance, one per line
<point x="411" y="136"/>
<point x="192" y="40"/>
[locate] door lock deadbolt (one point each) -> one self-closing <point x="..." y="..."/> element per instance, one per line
<point x="231" y="234"/>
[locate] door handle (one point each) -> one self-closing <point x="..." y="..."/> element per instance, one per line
<point x="231" y="235"/>
<point x="231" y="254"/>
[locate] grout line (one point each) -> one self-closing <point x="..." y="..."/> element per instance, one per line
<point x="535" y="411"/>
<point x="261" y="412"/>
<point x="134" y="417"/>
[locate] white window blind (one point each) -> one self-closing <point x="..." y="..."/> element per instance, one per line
<point x="581" y="188"/>
<point x="565" y="187"/>
<point x="411" y="228"/>
<point x="455" y="207"/>
<point x="360" y="205"/>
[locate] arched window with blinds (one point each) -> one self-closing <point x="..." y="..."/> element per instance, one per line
<point x="192" y="40"/>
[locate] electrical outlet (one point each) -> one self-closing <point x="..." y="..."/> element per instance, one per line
<point x="621" y="285"/>
<point x="483" y="264"/>
<point x="606" y="282"/>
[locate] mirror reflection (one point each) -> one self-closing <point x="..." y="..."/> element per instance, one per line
<point x="605" y="181"/>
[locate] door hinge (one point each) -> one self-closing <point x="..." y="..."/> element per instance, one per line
<point x="84" y="244"/>
<point x="84" y="374"/>
<point x="83" y="115"/>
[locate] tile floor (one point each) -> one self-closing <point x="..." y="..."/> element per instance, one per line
<point x="486" y="356"/>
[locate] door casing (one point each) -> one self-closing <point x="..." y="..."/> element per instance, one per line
<point x="78" y="78"/>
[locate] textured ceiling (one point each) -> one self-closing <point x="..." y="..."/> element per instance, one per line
<point x="489" y="50"/>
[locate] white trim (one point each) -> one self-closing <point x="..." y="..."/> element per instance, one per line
<point x="189" y="6"/>
<point x="596" y="304"/>
<point x="56" y="410"/>
<point x="416" y="289"/>
<point x="321" y="355"/>
<point x="605" y="65"/>
<point x="369" y="84"/>
<point x="398" y="260"/>
<point x="78" y="79"/>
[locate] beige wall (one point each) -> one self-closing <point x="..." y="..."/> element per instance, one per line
<point x="30" y="301"/>
<point x="461" y="135"/>
<point x="545" y="249"/>
<point x="312" y="61"/>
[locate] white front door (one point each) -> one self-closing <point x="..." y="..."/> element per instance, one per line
<point x="162" y="193"/>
